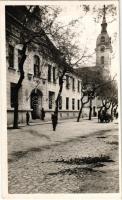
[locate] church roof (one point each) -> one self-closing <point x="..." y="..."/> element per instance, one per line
<point x="89" y="74"/>
<point x="103" y="38"/>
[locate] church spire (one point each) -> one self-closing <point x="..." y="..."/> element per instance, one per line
<point x="104" y="24"/>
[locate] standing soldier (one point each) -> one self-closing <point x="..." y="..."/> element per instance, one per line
<point x="27" y="118"/>
<point x="54" y="121"/>
<point x="99" y="114"/>
<point x="42" y="114"/>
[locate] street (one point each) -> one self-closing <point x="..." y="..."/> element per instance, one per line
<point x="76" y="158"/>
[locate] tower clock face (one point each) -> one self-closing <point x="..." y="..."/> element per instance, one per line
<point x="102" y="49"/>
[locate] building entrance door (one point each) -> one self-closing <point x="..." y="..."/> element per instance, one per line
<point x="36" y="103"/>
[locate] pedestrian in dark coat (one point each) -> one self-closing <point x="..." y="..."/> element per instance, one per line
<point x="42" y="114"/>
<point x="27" y="118"/>
<point x="54" y="121"/>
<point x="99" y="114"/>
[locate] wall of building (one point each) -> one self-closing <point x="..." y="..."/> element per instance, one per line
<point x="44" y="86"/>
<point x="40" y="85"/>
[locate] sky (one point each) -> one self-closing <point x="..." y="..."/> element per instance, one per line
<point x="87" y="30"/>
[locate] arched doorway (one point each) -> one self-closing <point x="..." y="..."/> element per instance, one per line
<point x="36" y="103"/>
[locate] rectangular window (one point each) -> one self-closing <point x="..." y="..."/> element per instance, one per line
<point x="60" y="102"/>
<point x="73" y="104"/>
<point x="11" y="56"/>
<point x="78" y="104"/>
<point x="51" y="99"/>
<point x="36" y="66"/>
<point x="67" y="82"/>
<point x="78" y="86"/>
<point x="54" y="75"/>
<point x="36" y="71"/>
<point x="73" y="84"/>
<point x="67" y="103"/>
<point x="49" y="73"/>
<point x="19" y="56"/>
<point x="12" y="90"/>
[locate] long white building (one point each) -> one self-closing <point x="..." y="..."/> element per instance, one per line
<point x="41" y="83"/>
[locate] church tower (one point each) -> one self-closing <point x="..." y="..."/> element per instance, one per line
<point x="104" y="48"/>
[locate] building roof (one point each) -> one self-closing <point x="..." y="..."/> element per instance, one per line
<point x="89" y="74"/>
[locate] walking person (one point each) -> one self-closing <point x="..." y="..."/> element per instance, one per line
<point x="54" y="121"/>
<point x="99" y="114"/>
<point x="42" y="114"/>
<point x="27" y="118"/>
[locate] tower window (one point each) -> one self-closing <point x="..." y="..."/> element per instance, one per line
<point x="102" y="39"/>
<point x="102" y="59"/>
<point x="36" y="66"/>
<point x="102" y="49"/>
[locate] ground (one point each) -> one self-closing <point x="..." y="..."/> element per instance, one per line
<point x="76" y="158"/>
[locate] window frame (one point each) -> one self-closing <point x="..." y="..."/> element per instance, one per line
<point x="67" y="103"/>
<point x="36" y="66"/>
<point x="51" y="99"/>
<point x="54" y="75"/>
<point x="73" y="83"/>
<point x="49" y="73"/>
<point x="67" y="82"/>
<point x="11" y="56"/>
<point x="102" y="39"/>
<point x="78" y="86"/>
<point x="12" y="90"/>
<point x="78" y="104"/>
<point x="73" y="103"/>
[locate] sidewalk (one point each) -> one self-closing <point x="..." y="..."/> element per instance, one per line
<point x="40" y="122"/>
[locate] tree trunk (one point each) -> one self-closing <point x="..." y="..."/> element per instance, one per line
<point x="112" y="111"/>
<point x="59" y="93"/>
<point x="58" y="97"/>
<point x="18" y="86"/>
<point x="80" y="112"/>
<point x="90" y="109"/>
<point x="82" y="105"/>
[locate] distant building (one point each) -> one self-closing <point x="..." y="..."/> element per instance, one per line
<point x="104" y="49"/>
<point x="103" y="61"/>
<point x="41" y="83"/>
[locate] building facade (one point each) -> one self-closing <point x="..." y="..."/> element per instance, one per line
<point x="41" y="83"/>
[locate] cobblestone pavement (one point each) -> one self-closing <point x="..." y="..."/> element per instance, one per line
<point x="76" y="158"/>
